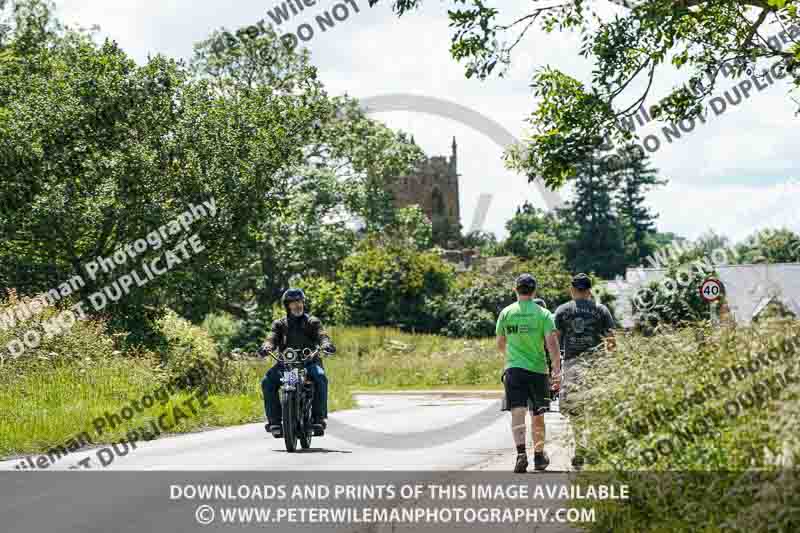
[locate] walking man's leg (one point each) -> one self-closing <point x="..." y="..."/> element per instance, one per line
<point x="518" y="434"/>
<point x="538" y="433"/>
<point x="540" y="404"/>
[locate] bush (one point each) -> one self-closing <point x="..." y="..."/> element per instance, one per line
<point x="641" y="413"/>
<point x="222" y="328"/>
<point x="474" y="304"/>
<point x="77" y="341"/>
<point x="477" y="298"/>
<point x="389" y="284"/>
<point x="253" y="331"/>
<point x="675" y="303"/>
<point x="190" y="346"/>
<point x="324" y="299"/>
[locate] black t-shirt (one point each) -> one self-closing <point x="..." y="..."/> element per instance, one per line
<point x="582" y="324"/>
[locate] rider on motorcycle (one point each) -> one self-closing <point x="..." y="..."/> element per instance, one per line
<point x="297" y="330"/>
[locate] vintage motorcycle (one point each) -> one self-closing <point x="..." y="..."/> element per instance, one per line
<point x="296" y="395"/>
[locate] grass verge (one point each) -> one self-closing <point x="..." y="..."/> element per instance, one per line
<point x="45" y="403"/>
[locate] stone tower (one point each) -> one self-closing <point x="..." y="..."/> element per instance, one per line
<point x="434" y="187"/>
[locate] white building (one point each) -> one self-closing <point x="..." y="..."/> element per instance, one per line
<point x="749" y="289"/>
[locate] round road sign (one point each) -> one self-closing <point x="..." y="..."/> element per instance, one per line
<point x="711" y="290"/>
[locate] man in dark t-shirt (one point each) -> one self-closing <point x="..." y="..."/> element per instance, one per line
<point x="583" y="327"/>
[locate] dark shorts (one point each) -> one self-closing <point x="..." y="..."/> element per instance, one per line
<point x="526" y="389"/>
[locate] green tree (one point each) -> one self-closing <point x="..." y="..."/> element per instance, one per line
<point x="412" y="226"/>
<point x="598" y="243"/>
<point x="484" y="241"/>
<point x="324" y="298"/>
<point x="98" y="152"/>
<point x="533" y="233"/>
<point x="675" y="304"/>
<point x="770" y="246"/>
<point x="477" y="298"/>
<point x="340" y="174"/>
<point x="635" y="179"/>
<point x="628" y="51"/>
<point x="386" y="282"/>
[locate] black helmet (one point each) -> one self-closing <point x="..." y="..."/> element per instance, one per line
<point x="292" y="295"/>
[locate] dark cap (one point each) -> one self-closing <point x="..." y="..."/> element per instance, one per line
<point x="582" y="282"/>
<point x="526" y="281"/>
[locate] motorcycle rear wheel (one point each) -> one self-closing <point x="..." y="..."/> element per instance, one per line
<point x="306" y="428"/>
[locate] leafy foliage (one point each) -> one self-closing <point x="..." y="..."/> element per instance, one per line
<point x="770" y="246"/>
<point x="189" y="346"/>
<point x="598" y="245"/>
<point x="387" y="283"/>
<point x="628" y="50"/>
<point x="478" y="297"/>
<point x="98" y="152"/>
<point x="675" y="302"/>
<point x="634" y="398"/>
<point x="324" y="299"/>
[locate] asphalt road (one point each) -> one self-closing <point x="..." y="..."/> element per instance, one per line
<point x="410" y="434"/>
<point x="418" y="431"/>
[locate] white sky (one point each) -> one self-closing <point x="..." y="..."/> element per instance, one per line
<point x="734" y="174"/>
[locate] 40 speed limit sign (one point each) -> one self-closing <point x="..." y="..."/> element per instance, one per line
<point x="711" y="290"/>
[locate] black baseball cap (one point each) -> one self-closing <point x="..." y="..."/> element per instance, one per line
<point x="582" y="282"/>
<point x="526" y="281"/>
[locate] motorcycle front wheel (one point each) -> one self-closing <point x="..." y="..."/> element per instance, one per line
<point x="306" y="428"/>
<point x="289" y="413"/>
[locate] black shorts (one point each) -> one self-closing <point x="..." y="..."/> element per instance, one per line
<point x="526" y="389"/>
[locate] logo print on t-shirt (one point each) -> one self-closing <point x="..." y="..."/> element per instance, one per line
<point x="577" y="324"/>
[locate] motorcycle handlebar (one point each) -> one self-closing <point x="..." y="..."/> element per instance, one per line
<point x="305" y="355"/>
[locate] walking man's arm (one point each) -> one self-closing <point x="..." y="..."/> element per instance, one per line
<point x="608" y="325"/>
<point x="555" y="356"/>
<point x="501" y="344"/>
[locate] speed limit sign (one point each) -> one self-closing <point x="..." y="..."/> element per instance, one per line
<point x="711" y="290"/>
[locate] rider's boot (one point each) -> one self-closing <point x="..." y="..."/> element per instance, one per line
<point x="276" y="428"/>
<point x="319" y="425"/>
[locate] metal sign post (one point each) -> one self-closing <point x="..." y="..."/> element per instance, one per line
<point x="711" y="290"/>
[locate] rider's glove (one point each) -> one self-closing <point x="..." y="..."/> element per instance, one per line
<point x="328" y="348"/>
<point x="264" y="350"/>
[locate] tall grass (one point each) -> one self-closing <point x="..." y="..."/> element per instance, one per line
<point x="373" y="357"/>
<point x="692" y="462"/>
<point x="46" y="400"/>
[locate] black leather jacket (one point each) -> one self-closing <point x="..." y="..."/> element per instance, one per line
<point x="305" y="331"/>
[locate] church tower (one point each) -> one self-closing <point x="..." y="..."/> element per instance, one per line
<point x="433" y="186"/>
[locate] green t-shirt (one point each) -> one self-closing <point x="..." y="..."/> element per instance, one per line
<point x="525" y="325"/>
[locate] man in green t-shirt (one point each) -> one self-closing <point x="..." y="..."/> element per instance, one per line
<point x="523" y="330"/>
